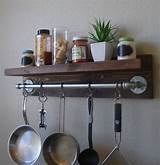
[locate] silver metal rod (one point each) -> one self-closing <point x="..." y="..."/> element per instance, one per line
<point x="107" y="85"/>
<point x="137" y="85"/>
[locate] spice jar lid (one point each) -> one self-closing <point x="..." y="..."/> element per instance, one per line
<point x="79" y="38"/>
<point x="126" y="39"/>
<point x="28" y="51"/>
<point x="43" y="31"/>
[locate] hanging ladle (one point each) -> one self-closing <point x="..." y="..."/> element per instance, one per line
<point x="89" y="156"/>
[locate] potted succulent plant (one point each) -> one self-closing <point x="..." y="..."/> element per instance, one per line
<point x="103" y="34"/>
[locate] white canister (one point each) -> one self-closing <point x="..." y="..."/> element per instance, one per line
<point x="126" y="48"/>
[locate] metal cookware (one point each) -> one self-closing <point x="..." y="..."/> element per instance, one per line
<point x="115" y="156"/>
<point x="89" y="156"/>
<point x="42" y="99"/>
<point x="24" y="145"/>
<point x="60" y="148"/>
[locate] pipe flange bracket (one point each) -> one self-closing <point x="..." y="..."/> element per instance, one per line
<point x="140" y="85"/>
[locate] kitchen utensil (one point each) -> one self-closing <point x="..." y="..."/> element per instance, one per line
<point x="42" y="98"/>
<point x="89" y="156"/>
<point x="115" y="156"/>
<point x="60" y="148"/>
<point x="24" y="144"/>
<point x="117" y="129"/>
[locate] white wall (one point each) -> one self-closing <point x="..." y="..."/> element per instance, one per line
<point x="19" y="21"/>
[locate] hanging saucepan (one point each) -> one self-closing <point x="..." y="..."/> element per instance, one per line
<point x="60" y="148"/>
<point x="24" y="144"/>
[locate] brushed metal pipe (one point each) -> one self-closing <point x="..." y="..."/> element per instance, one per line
<point x="125" y="85"/>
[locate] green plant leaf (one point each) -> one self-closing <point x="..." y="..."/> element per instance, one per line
<point x="93" y="37"/>
<point x="103" y="31"/>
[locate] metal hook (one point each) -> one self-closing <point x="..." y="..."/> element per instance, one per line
<point x="117" y="92"/>
<point x="25" y="95"/>
<point x="42" y="97"/>
<point x="90" y="90"/>
<point x="62" y="91"/>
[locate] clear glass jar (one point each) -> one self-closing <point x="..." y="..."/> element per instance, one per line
<point x="27" y="58"/>
<point x="43" y="47"/>
<point x="60" y="45"/>
<point x="80" y="49"/>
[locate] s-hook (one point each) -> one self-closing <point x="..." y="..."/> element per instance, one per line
<point x="117" y="116"/>
<point x="25" y="95"/>
<point x="42" y="98"/>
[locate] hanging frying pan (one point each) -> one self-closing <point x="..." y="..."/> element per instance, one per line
<point x="60" y="148"/>
<point x="24" y="144"/>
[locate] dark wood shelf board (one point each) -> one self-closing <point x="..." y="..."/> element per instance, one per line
<point x="113" y="65"/>
<point x="97" y="72"/>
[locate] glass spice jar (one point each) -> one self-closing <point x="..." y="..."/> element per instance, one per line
<point x="59" y="45"/>
<point x="27" y="58"/>
<point x="80" y="49"/>
<point x="43" y="47"/>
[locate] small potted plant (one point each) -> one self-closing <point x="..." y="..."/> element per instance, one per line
<point x="103" y="35"/>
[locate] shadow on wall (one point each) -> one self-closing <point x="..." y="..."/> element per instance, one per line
<point x="148" y="48"/>
<point x="117" y="157"/>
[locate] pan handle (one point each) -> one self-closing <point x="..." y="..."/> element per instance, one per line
<point x="90" y="110"/>
<point x="110" y="154"/>
<point x="62" y="110"/>
<point x="118" y="123"/>
<point x="25" y="95"/>
<point x="117" y="117"/>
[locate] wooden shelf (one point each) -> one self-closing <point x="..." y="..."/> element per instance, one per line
<point x="91" y="72"/>
<point x="113" y="65"/>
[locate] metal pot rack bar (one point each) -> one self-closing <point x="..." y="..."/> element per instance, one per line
<point x="137" y="85"/>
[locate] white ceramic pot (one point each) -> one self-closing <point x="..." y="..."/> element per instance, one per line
<point x="101" y="51"/>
